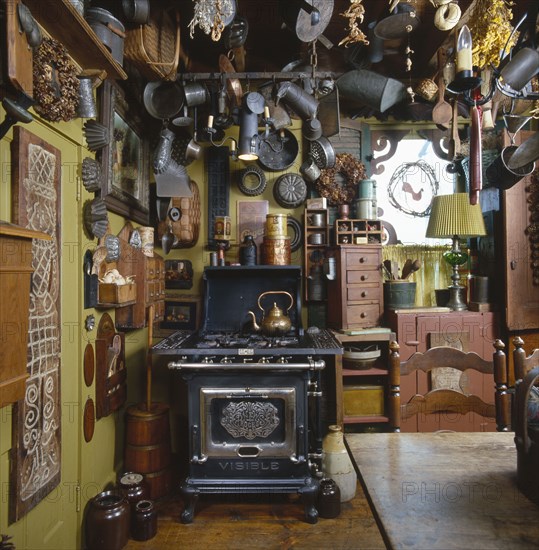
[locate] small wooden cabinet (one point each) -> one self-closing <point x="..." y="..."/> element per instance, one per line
<point x="356" y="293"/>
<point x="15" y="280"/>
<point x="361" y="394"/>
<point x="422" y="328"/>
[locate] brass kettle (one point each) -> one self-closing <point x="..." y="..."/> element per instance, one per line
<point x="275" y="323"/>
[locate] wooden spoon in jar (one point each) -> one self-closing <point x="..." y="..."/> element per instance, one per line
<point x="415" y="265"/>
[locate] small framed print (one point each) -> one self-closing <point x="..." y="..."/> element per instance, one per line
<point x="182" y="312"/>
<point x="251" y="217"/>
<point x="178" y="274"/>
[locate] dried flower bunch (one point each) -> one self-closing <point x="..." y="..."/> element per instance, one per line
<point x="56" y="86"/>
<point x="351" y="169"/>
<point x="490" y="25"/>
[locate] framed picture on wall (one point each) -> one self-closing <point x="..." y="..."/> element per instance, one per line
<point x="251" y="219"/>
<point x="182" y="312"/>
<point x="125" y="160"/>
<point x="178" y="274"/>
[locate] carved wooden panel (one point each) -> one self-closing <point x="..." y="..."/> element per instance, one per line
<point x="36" y="451"/>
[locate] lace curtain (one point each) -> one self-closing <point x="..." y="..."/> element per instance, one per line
<point x="434" y="272"/>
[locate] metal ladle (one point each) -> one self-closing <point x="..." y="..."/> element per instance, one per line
<point x="167" y="240"/>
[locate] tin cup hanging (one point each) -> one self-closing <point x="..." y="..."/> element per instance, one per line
<point x="309" y="170"/>
<point x="87" y="107"/>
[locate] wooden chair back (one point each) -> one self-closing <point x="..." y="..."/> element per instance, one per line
<point x="526" y="436"/>
<point x="450" y="400"/>
<point x="523" y="364"/>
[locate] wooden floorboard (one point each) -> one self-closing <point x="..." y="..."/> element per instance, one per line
<point x="263" y="521"/>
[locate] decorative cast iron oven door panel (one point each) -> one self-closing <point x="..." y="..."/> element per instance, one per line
<point x="251" y="430"/>
<point x="246" y="425"/>
<point x="242" y="422"/>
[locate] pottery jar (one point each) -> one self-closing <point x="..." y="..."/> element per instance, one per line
<point x="336" y="463"/>
<point x="329" y="499"/>
<point x="107" y="522"/>
<point x="133" y="488"/>
<point x="248" y="251"/>
<point x="144" y="524"/>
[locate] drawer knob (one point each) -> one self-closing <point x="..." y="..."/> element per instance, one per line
<point x="363" y="315"/>
<point x="364" y="277"/>
<point x="364" y="294"/>
<point x="362" y="260"/>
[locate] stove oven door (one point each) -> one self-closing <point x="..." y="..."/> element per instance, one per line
<point x="248" y="425"/>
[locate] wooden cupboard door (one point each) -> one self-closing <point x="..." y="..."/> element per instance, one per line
<point x="521" y="295"/>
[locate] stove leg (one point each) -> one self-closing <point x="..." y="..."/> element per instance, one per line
<point x="308" y="495"/>
<point x="190" y="496"/>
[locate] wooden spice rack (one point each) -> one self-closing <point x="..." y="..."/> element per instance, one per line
<point x="360" y="232"/>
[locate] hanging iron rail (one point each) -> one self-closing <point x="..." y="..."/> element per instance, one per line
<point x="264" y="75"/>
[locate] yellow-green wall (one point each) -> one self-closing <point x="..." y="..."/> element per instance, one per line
<point x="88" y="468"/>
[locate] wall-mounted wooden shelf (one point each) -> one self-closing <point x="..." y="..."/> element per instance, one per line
<point x="15" y="283"/>
<point x="314" y="252"/>
<point x="64" y="23"/>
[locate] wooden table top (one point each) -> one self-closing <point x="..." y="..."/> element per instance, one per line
<point x="445" y="490"/>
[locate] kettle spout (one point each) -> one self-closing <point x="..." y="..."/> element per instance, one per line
<point x="256" y="326"/>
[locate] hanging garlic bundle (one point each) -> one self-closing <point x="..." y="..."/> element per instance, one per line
<point x="354" y="13"/>
<point x="210" y="15"/>
<point x="490" y="25"/>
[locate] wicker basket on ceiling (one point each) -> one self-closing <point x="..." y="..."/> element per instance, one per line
<point x="154" y="48"/>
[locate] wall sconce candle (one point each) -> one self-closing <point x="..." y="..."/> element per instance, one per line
<point x="464" y="80"/>
<point x="464" y="50"/>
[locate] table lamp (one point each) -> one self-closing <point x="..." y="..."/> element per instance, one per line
<point x="453" y="217"/>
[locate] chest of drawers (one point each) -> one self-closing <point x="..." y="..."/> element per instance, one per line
<point x="355" y="296"/>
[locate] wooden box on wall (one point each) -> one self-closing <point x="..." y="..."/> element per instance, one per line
<point x="149" y="277"/>
<point x="15" y="279"/>
<point x="111" y="373"/>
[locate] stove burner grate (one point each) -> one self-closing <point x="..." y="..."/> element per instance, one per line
<point x="253" y="341"/>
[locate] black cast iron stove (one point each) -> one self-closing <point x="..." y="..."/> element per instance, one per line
<point x="253" y="400"/>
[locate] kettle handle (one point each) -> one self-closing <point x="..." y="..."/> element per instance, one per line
<point x="276" y="292"/>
